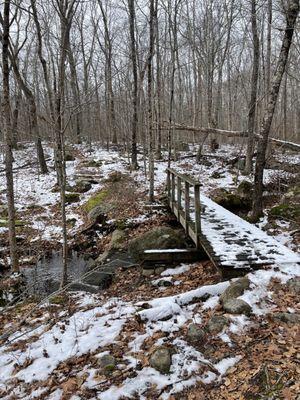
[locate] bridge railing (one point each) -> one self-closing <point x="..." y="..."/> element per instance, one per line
<point x="184" y="200"/>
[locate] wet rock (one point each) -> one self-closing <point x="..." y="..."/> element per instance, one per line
<point x="159" y="238"/>
<point x="235" y="289"/>
<point x="237" y="306"/>
<point x="102" y="280"/>
<point x="195" y="333"/>
<point x="107" y="363"/>
<point x="161" y="360"/>
<point x="294" y="285"/>
<point x="288" y="318"/>
<point x="217" y="323"/>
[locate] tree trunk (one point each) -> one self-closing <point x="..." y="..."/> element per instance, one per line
<point x="7" y="128"/>
<point x="292" y="12"/>
<point x="253" y="97"/>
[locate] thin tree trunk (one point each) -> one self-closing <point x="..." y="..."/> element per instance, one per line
<point x="253" y="97"/>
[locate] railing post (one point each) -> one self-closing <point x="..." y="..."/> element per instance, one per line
<point x="197" y="212"/>
<point x="179" y="194"/>
<point x="168" y="186"/>
<point x="173" y="190"/>
<point x="187" y="206"/>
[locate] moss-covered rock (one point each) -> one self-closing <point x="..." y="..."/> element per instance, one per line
<point x="159" y="238"/>
<point x="4" y="223"/>
<point x="245" y="188"/>
<point x="97" y="200"/>
<point x="231" y="201"/>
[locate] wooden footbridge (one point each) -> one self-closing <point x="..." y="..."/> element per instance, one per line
<point x="228" y="240"/>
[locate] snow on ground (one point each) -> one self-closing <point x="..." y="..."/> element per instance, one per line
<point x="93" y="327"/>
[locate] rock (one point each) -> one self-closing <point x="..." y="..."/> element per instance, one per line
<point x="96" y="215"/>
<point x="217" y="175"/>
<point x="82" y="186"/>
<point x="231" y="201"/>
<point x="159" y="238"/>
<point x="245" y="189"/>
<point x="161" y="360"/>
<point x="116" y="176"/>
<point x="235" y="289"/>
<point x="80" y="286"/>
<point x="288" y="318"/>
<point x="98" y="200"/>
<point x="117" y="239"/>
<point x="294" y="285"/>
<point x="159" y="270"/>
<point x="195" y="333"/>
<point x="147" y="272"/>
<point x="217" y="323"/>
<point x="100" y="279"/>
<point x="237" y="306"/>
<point x="72" y="198"/>
<point x="182" y="146"/>
<point x="107" y="363"/>
<point x="164" y="283"/>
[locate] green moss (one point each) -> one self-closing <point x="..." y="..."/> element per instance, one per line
<point x="4" y="223"/>
<point x="96" y="200"/>
<point x="57" y="299"/>
<point x="288" y="211"/>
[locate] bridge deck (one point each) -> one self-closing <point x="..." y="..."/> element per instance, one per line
<point x="228" y="240"/>
<point x="232" y="241"/>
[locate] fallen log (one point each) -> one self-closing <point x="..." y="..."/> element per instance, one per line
<point x="204" y="130"/>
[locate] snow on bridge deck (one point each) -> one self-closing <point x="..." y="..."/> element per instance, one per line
<point x="235" y="242"/>
<point x="228" y="240"/>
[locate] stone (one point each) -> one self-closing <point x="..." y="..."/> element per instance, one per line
<point x="294" y="285"/>
<point x="161" y="360"/>
<point x="72" y="198"/>
<point x="159" y="238"/>
<point x="97" y="215"/>
<point x="102" y="280"/>
<point x="237" y="306"/>
<point x="235" y="289"/>
<point x="232" y="201"/>
<point x="195" y="333"/>
<point x="288" y="318"/>
<point x="117" y="239"/>
<point x="82" y="186"/>
<point x="217" y="323"/>
<point x="159" y="270"/>
<point x="147" y="272"/>
<point x="164" y="283"/>
<point x="107" y="363"/>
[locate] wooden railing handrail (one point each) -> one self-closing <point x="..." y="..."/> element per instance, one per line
<point x="177" y="185"/>
<point x="184" y="177"/>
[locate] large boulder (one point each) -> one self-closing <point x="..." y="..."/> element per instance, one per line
<point x="97" y="215"/>
<point x="82" y="186"/>
<point x="237" y="306"/>
<point x="232" y="201"/>
<point x="100" y="279"/>
<point x="117" y="239"/>
<point x="235" y="289"/>
<point x="159" y="238"/>
<point x="161" y="360"/>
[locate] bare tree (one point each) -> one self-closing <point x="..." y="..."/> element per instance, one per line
<point x="291" y="10"/>
<point x="6" y="109"/>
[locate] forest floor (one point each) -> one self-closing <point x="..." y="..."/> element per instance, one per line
<point x="57" y="350"/>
